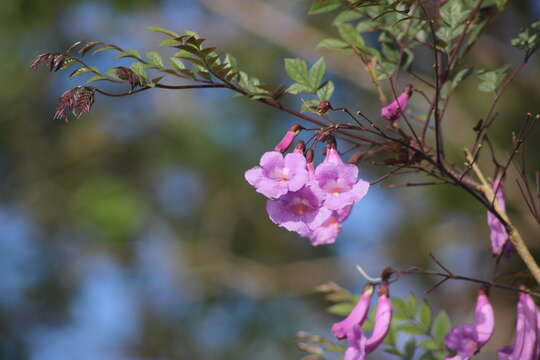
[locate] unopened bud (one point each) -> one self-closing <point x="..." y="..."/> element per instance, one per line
<point x="323" y="107"/>
<point x="288" y="138"/>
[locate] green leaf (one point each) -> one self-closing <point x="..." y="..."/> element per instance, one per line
<point x="529" y="38"/>
<point x="460" y="76"/>
<point x="105" y="48"/>
<point x="323" y="6"/>
<point x="351" y="35"/>
<point x="111" y="72"/>
<point x="96" y="78"/>
<point x="500" y="3"/>
<point x="168" y="42"/>
<point x="131" y="53"/>
<point x="177" y="63"/>
<point x="138" y="69"/>
<point x="231" y="61"/>
<point x="491" y="80"/>
<point x="410" y="348"/>
<point x="365" y="26"/>
<point x="411" y="306"/>
<point x="429" y="345"/>
<point x="326" y="91"/>
<point x="341" y="309"/>
<point x="441" y="327"/>
<point x="425" y="316"/>
<point x="163" y="31"/>
<point x="309" y="106"/>
<point x="155" y="59"/>
<point x="346" y="16"/>
<point x="400" y="309"/>
<point x="316" y="74"/>
<point x="331" y="43"/>
<point x="297" y="70"/>
<point x="453" y="13"/>
<point x="390" y="338"/>
<point x="411" y="328"/>
<point x="81" y="71"/>
<point x="297" y="88"/>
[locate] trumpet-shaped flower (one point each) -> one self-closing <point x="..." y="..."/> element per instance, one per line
<point x="468" y="339"/>
<point x="393" y="111"/>
<point x="357" y="316"/>
<point x="298" y="211"/>
<point x="497" y="232"/>
<point x="277" y="175"/>
<point x="338" y="182"/>
<point x="357" y="344"/>
<point x="527" y="332"/>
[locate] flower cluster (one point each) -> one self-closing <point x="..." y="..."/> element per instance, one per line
<point x="350" y="328"/>
<point x="312" y="202"/>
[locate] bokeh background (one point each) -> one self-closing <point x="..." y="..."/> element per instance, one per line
<point x="131" y="233"/>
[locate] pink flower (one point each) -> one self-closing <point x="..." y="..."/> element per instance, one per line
<point x="359" y="344"/>
<point x="277" y="175"/>
<point x="329" y="230"/>
<point x="357" y="316"/>
<point x="527" y="332"/>
<point x="468" y="339"/>
<point x="299" y="211"/>
<point x="338" y="182"/>
<point x="497" y="232"/>
<point x="286" y="141"/>
<point x="393" y="111"/>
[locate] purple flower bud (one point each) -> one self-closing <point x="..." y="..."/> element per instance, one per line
<point x="383" y="318"/>
<point x="497" y="232"/>
<point x="277" y="175"/>
<point x="525" y="347"/>
<point x="284" y="144"/>
<point x="338" y="182"/>
<point x="393" y="111"/>
<point x="468" y="339"/>
<point x="299" y="211"/>
<point x="357" y="316"/>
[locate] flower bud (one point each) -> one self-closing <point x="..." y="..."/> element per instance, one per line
<point x="357" y="316"/>
<point x="383" y="318"/>
<point x="288" y="138"/>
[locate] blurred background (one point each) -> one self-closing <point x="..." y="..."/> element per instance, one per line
<point x="131" y="234"/>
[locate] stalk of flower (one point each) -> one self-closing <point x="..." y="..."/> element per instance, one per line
<point x="338" y="182"/>
<point x="467" y="340"/>
<point x="357" y="316"/>
<point x="288" y="138"/>
<point x="497" y="232"/>
<point x="393" y="111"/>
<point x="277" y="175"/>
<point x="527" y="332"/>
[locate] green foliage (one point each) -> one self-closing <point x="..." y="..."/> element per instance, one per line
<point x="491" y="79"/>
<point x="323" y="6"/>
<point x="529" y="38"/>
<point x="307" y="81"/>
<point x="155" y="59"/>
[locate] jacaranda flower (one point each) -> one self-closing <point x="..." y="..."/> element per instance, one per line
<point x="357" y="316"/>
<point x="468" y="339"/>
<point x="277" y="175"/>
<point x="338" y="182"/>
<point x="393" y="111"/>
<point x="527" y="332"/>
<point x="497" y="232"/>
<point x="298" y="211"/>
